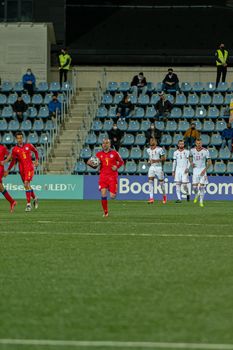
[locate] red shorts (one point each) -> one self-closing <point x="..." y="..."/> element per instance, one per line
<point x="1" y="173"/>
<point x="110" y="183"/>
<point x="26" y="174"/>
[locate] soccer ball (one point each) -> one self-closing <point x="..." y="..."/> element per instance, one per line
<point x="95" y="161"/>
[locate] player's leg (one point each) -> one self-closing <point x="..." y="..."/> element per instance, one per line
<point x="202" y="194"/>
<point x="151" y="189"/>
<point x="8" y="197"/>
<point x="185" y="187"/>
<point x="177" y="181"/>
<point x="160" y="176"/>
<point x="104" y="201"/>
<point x="28" y="195"/>
<point x="113" y="184"/>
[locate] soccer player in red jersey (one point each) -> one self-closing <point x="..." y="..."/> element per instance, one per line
<point x="22" y="153"/>
<point x="110" y="162"/>
<point x="3" y="154"/>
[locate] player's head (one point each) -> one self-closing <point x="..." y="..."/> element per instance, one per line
<point x="181" y="144"/>
<point x="153" y="142"/>
<point x="198" y="143"/>
<point x="19" y="137"/>
<point x="106" y="144"/>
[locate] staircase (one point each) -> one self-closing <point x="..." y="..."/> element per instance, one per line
<point x="61" y="161"/>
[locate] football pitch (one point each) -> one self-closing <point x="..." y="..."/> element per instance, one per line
<point x="148" y="276"/>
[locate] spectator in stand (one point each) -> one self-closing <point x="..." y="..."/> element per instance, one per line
<point x="29" y="82"/>
<point x="20" y="107"/>
<point x="171" y="81"/>
<point x="124" y="107"/>
<point x="153" y="133"/>
<point x="221" y="56"/>
<point x="227" y="137"/>
<point x="54" y="106"/>
<point x="190" y="136"/>
<point x="115" y="135"/>
<point x="138" y="83"/>
<point x="64" y="65"/>
<point x="163" y="106"/>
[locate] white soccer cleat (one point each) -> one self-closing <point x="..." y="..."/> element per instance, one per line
<point x="105" y="215"/>
<point x="28" y="207"/>
<point x="35" y="203"/>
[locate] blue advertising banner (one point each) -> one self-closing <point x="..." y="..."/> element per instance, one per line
<point x="137" y="188"/>
<point x="47" y="186"/>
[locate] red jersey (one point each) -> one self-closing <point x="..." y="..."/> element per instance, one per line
<point x="3" y="153"/>
<point x="23" y="155"/>
<point x="107" y="161"/>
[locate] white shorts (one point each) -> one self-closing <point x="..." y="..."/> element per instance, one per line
<point x="181" y="176"/>
<point x="156" y="172"/>
<point x="197" y="178"/>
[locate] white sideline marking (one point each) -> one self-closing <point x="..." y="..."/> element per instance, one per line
<point x="118" y="344"/>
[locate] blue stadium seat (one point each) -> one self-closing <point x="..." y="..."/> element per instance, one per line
<point x="95" y="150"/>
<point x="176" y="113"/>
<point x="122" y="125"/>
<point x="26" y="125"/>
<point x="193" y="99"/>
<point x="7" y="112"/>
<point x="216" y="139"/>
<point x="130" y="167"/>
<point x="38" y="125"/>
<point x="47" y="98"/>
<point x="8" y="138"/>
<point x="171" y="152"/>
<point x="224" y="112"/>
<point x="54" y="86"/>
<point x="18" y="87"/>
<point x="118" y="98"/>
<point x="96" y="125"/>
<point x="222" y="87"/>
<point x="208" y="126"/>
<point x="171" y="126"/>
<point x="61" y="98"/>
<point x="176" y="138"/>
<point x="183" y="125"/>
<point x="32" y="112"/>
<point x="217" y="99"/>
<point x="166" y="140"/>
<point x="80" y="167"/>
<point x="42" y="86"/>
<point x="154" y="99"/>
<point x="128" y="140"/>
<point x="85" y="153"/>
<point x="112" y="112"/>
<point x="33" y="138"/>
<point x="150" y="87"/>
<point x="170" y="98"/>
<point x="139" y="112"/>
<point x="101" y="137"/>
<point x="133" y="99"/>
<point x="45" y="138"/>
<point x="13" y="125"/>
<point x="220" y="125"/>
<point x="66" y="86"/>
<point x="210" y="170"/>
<point x="108" y="124"/>
<point x="7" y="86"/>
<point x="213" y="152"/>
<point x="188" y="112"/>
<point x="26" y="98"/>
<point x="205" y="99"/>
<point x="181" y="99"/>
<point x="107" y="99"/>
<point x="205" y="139"/>
<point x="43" y="112"/>
<point x="49" y="125"/>
<point x="160" y="125"/>
<point x="150" y="112"/>
<point x="12" y="98"/>
<point x="158" y="86"/>
<point x="167" y="168"/>
<point x="145" y="125"/>
<point x="143" y="100"/>
<point x="198" y="124"/>
<point x="219" y="168"/>
<point x="145" y="154"/>
<point x="209" y="87"/>
<point x="124" y="153"/>
<point x="3" y="99"/>
<point x="227" y="98"/>
<point x="37" y="99"/>
<point x="112" y="86"/>
<point x="197" y="86"/>
<point x="229" y="169"/>
<point x="213" y="112"/>
<point x="135" y="153"/>
<point x="91" y="139"/>
<point x="3" y="125"/>
<point x="140" y="140"/>
<point x="224" y="153"/>
<point x="102" y="112"/>
<point x="185" y="87"/>
<point x="200" y="112"/>
<point x="133" y="126"/>
<point x="124" y="86"/>
<point x="142" y="168"/>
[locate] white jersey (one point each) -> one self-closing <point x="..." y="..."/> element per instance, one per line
<point x="199" y="157"/>
<point x="155" y="154"/>
<point x="181" y="160"/>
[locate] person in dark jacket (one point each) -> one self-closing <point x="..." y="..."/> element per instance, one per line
<point x="124" y="107"/>
<point x="227" y="137"/>
<point x="171" y="81"/>
<point x="163" y="107"/>
<point x="20" y="107"/>
<point x="29" y="81"/>
<point x="54" y="106"/>
<point x="138" y="83"/>
<point x="115" y="135"/>
<point x="153" y="133"/>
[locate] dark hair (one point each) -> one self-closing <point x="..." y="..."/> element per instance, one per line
<point x="170" y="69"/>
<point x="198" y="139"/>
<point x="19" y="133"/>
<point x="180" y="140"/>
<point x="141" y="73"/>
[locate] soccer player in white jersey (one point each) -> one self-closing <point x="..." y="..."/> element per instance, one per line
<point x="200" y="161"/>
<point x="156" y="158"/>
<point x="180" y="170"/>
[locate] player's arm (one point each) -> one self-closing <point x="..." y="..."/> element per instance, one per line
<point x="174" y="163"/>
<point x="120" y="162"/>
<point x="13" y="159"/>
<point x="188" y="164"/>
<point x="34" y="150"/>
<point x="208" y="164"/>
<point x="191" y="160"/>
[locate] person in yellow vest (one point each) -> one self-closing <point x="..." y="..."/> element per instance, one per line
<point x="221" y="56"/>
<point x="64" y="65"/>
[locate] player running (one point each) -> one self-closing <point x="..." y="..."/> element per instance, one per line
<point x="180" y="170"/>
<point x="110" y="162"/>
<point x="22" y="153"/>
<point x="156" y="158"/>
<point x="200" y="161"/>
<point x="3" y="154"/>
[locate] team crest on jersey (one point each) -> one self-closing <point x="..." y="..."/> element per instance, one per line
<point x="26" y="148"/>
<point x="111" y="156"/>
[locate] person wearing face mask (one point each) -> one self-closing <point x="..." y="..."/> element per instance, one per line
<point x="54" y="106"/>
<point x="125" y="107"/>
<point x="190" y="136"/>
<point x="221" y="56"/>
<point x="115" y="135"/>
<point x="29" y="81"/>
<point x="64" y="65"/>
<point x="227" y="137"/>
<point x="152" y="133"/>
<point x="171" y="82"/>
<point x="138" y="83"/>
<point x="163" y="107"/>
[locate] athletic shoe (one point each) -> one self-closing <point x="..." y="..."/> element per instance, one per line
<point x="188" y="197"/>
<point x="35" y="203"/>
<point x="164" y="199"/>
<point x="105" y="215"/>
<point x="151" y="201"/>
<point x="13" y="204"/>
<point x="28" y="207"/>
<point x="178" y="201"/>
<point x="201" y="205"/>
<point x="195" y="199"/>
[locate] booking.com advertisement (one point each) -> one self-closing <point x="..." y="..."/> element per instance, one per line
<point x="129" y="187"/>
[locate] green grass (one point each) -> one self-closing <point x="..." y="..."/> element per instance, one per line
<point x="67" y="273"/>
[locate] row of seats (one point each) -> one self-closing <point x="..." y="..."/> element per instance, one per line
<point x="187" y="112"/>
<point x="192" y="99"/>
<point x="34" y="138"/>
<point x="32" y="112"/>
<point x="171" y="125"/>
<point x="43" y="86"/>
<point x="36" y="99"/>
<point x="27" y="125"/>
<point x="141" y="168"/>
<point x="184" y="86"/>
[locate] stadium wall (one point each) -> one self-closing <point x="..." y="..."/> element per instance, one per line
<point x="130" y="187"/>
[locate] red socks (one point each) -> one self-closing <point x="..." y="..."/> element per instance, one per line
<point x="7" y="196"/>
<point x="104" y="202"/>
<point x="28" y="196"/>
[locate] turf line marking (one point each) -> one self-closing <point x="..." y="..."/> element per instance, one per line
<point x="118" y="344"/>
